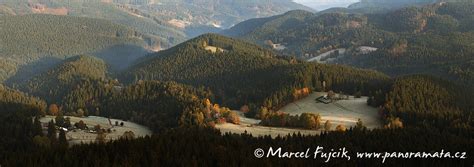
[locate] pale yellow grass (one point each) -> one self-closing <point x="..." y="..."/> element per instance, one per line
<point x="343" y="112"/>
<point x="84" y="136"/>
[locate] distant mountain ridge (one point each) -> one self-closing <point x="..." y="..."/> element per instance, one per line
<point x="396" y="42"/>
<point x="169" y="22"/>
<point x="32" y="43"/>
<point x="391" y="3"/>
<point x="326" y="4"/>
<point x="378" y="6"/>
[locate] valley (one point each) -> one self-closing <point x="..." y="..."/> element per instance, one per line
<point x="167" y="22"/>
<point x="214" y="82"/>
<point x="29" y="44"/>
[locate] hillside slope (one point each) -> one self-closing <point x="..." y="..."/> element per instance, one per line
<point x="14" y="101"/>
<point x="157" y="105"/>
<point x="433" y="39"/>
<point x="240" y="73"/>
<point x="425" y="101"/>
<point x="57" y="81"/>
<point x="384" y="5"/>
<point x="162" y="35"/>
<point x="166" y="22"/>
<point x="198" y="16"/>
<point x="305" y="34"/>
<point x="32" y="43"/>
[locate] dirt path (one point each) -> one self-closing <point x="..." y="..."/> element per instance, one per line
<point x="323" y="55"/>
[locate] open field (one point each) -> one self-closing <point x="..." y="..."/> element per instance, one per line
<point x="319" y="58"/>
<point x="343" y="112"/>
<point x="324" y="57"/>
<point x="251" y="126"/>
<point x="77" y="136"/>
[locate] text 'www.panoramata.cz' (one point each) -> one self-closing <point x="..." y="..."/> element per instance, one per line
<point x="343" y="154"/>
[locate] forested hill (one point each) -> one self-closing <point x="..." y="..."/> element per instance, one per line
<point x="14" y="101"/>
<point x="387" y="5"/>
<point x="424" y="101"/>
<point x="204" y="16"/>
<point x="433" y="39"/>
<point x="157" y="105"/>
<point x="239" y="73"/>
<point x="162" y="34"/>
<point x="57" y="81"/>
<point x="304" y="32"/>
<point x="32" y="43"/>
<point x="167" y="22"/>
<point x="263" y="26"/>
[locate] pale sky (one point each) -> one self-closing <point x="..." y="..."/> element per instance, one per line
<point x="325" y="4"/>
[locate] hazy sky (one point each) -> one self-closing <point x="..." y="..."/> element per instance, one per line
<point x="325" y="4"/>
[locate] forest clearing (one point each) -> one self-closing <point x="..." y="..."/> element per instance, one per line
<point x="89" y="134"/>
<point x="344" y="112"/>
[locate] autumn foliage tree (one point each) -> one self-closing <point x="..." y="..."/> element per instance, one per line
<point x="310" y="120"/>
<point x="327" y="125"/>
<point x="101" y="136"/>
<point x="280" y="119"/>
<point x="394" y="123"/>
<point x="341" y="128"/>
<point x="233" y="118"/>
<point x="53" y="109"/>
